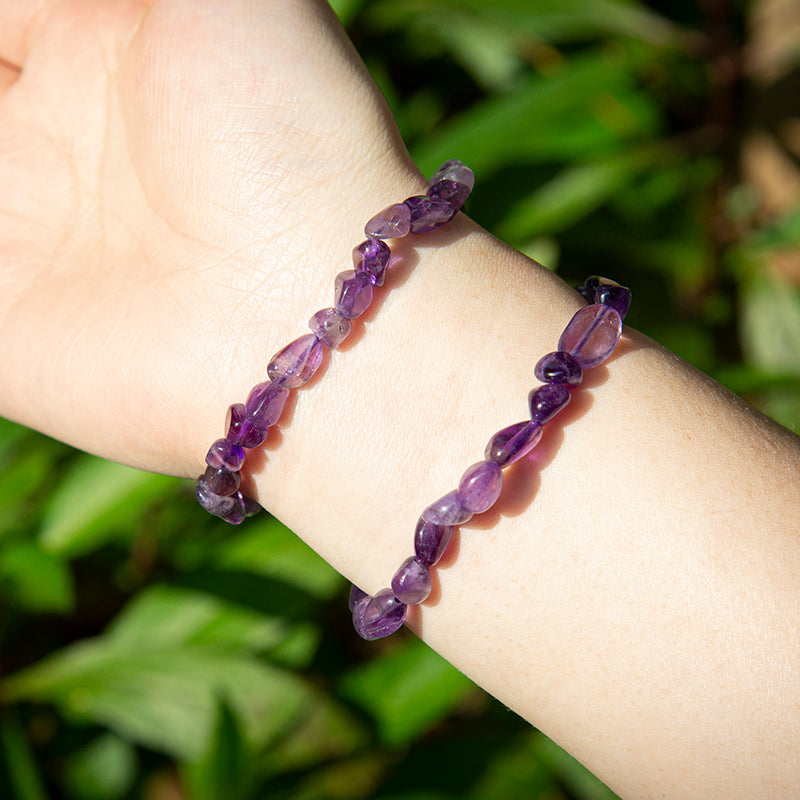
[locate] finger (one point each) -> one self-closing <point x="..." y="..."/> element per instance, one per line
<point x="18" y="18"/>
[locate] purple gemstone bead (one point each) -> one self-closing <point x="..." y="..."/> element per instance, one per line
<point x="513" y="443"/>
<point x="372" y="257"/>
<point x="480" y="486"/>
<point x="222" y="481"/>
<point x="264" y="406"/>
<point x="353" y="293"/>
<point x="330" y="327"/>
<point x="427" y="213"/>
<point x="447" y="510"/>
<point x="431" y="541"/>
<point x="379" y="616"/>
<point x="546" y="401"/>
<point x="237" y="512"/>
<point x="598" y="289"/>
<point x="558" y="367"/>
<point x="356" y="596"/>
<point x="214" y="503"/>
<point x="225" y="455"/>
<point x="451" y="192"/>
<point x="241" y="429"/>
<point x="454" y="170"/>
<point x="296" y="363"/>
<point x="411" y="583"/>
<point x="251" y="507"/>
<point x="592" y="335"/>
<point x="393" y="222"/>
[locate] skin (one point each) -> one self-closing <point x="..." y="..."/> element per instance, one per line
<point x="179" y="184"/>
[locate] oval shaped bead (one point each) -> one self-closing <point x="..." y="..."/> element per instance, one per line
<point x="296" y="363"/>
<point x="428" y="213"/>
<point x="237" y="513"/>
<point x="591" y="335"/>
<point x="547" y="401"/>
<point x="330" y="327"/>
<point x="513" y="443"/>
<point x="393" y="222"/>
<point x="558" y="367"/>
<point x="221" y="481"/>
<point x="241" y="429"/>
<point x="353" y="293"/>
<point x="224" y="454"/>
<point x="411" y="583"/>
<point x="480" y="486"/>
<point x="379" y="616"/>
<point x="214" y="503"/>
<point x="264" y="405"/>
<point x="447" y="510"/>
<point x="372" y="257"/>
<point x="431" y="541"/>
<point x="454" y="170"/>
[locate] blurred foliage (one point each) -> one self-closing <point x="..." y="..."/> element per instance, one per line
<point x="149" y="651"/>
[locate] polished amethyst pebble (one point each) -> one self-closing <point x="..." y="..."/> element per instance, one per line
<point x="296" y="363"/>
<point x="214" y="503"/>
<point x="428" y="213"/>
<point x="372" y="257"/>
<point x="592" y="335"/>
<point x="452" y="192"/>
<point x="480" y="486"/>
<point x="431" y="541"/>
<point x="598" y="289"/>
<point x="411" y="583"/>
<point x="513" y="443"/>
<point x="330" y="327"/>
<point x="447" y="510"/>
<point x="356" y="596"/>
<point x="558" y="367"/>
<point x="243" y="430"/>
<point x="379" y="616"/>
<point x="393" y="222"/>
<point x="221" y="481"/>
<point x="238" y="511"/>
<point x="454" y="170"/>
<point x="251" y="507"/>
<point x="264" y="406"/>
<point x="225" y="455"/>
<point x="546" y="401"/>
<point x="353" y="293"/>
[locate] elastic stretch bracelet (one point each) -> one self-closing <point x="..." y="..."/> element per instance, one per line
<point x="587" y="341"/>
<point x="248" y="423"/>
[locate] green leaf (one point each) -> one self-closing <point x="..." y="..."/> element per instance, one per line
<point x="105" y="769"/>
<point x="407" y="690"/>
<point x="95" y="502"/>
<point x="21" y="771"/>
<point x="35" y="580"/>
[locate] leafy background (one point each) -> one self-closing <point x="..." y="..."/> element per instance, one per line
<point x="151" y="651"/>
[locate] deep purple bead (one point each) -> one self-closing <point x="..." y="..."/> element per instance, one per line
<point x="428" y="213"/>
<point x="546" y="401"/>
<point x="454" y="170"/>
<point x="447" y="510"/>
<point x="237" y="512"/>
<point x="558" y="367"/>
<point x="451" y="192"/>
<point x="214" y="503"/>
<point x="592" y="335"/>
<point x="225" y="455"/>
<point x="372" y="257"/>
<point x="330" y="327"/>
<point x="411" y="583"/>
<point x="480" y="486"/>
<point x="296" y="363"/>
<point x="598" y="289"/>
<point x="513" y="443"/>
<point x="379" y="616"/>
<point x="431" y="541"/>
<point x="241" y="429"/>
<point x="393" y="222"/>
<point x="353" y="293"/>
<point x="222" y="481"/>
<point x="356" y="596"/>
<point x="264" y="406"/>
<point x="251" y="507"/>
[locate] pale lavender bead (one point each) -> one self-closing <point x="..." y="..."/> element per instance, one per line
<point x="379" y="616"/>
<point x="452" y="192"/>
<point x="558" y="367"/>
<point x="353" y="293"/>
<point x="547" y="401"/>
<point x="480" y="486"/>
<point x="513" y="443"/>
<point x="356" y="596"/>
<point x="214" y="503"/>
<point x="241" y="429"/>
<point x="447" y="510"/>
<point x="237" y="512"/>
<point x="411" y="583"/>
<point x="330" y="327"/>
<point x="372" y="257"/>
<point x="431" y="541"/>
<point x="454" y="170"/>
<point x="221" y="481"/>
<point x="592" y="335"/>
<point x="393" y="222"/>
<point x="427" y="213"/>
<point x="264" y="405"/>
<point x="296" y="363"/>
<point x="225" y="455"/>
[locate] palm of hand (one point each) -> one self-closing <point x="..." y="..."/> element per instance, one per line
<point x="159" y="179"/>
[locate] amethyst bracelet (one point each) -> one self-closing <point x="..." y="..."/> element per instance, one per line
<point x="248" y="423"/>
<point x="587" y="341"/>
